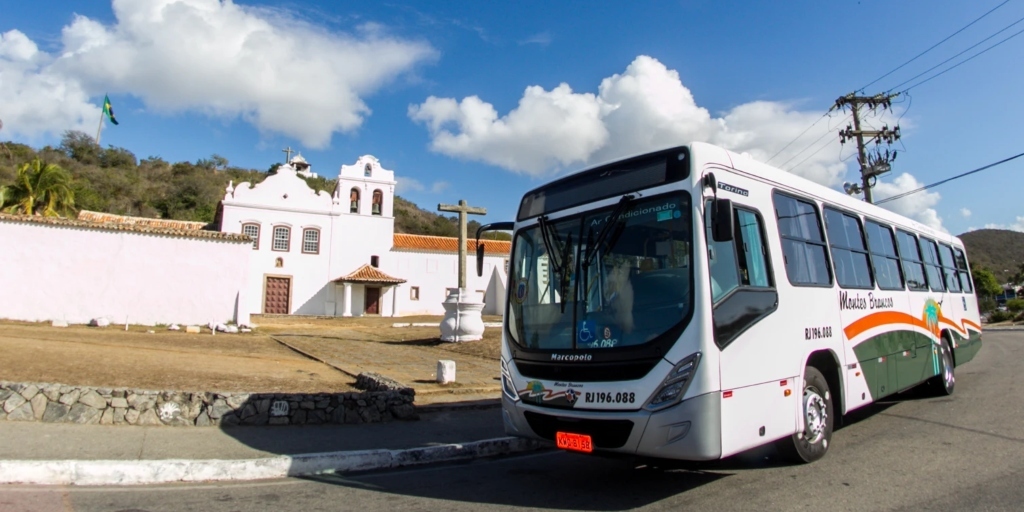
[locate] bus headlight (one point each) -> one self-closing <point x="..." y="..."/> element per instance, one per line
<point x="675" y="384"/>
<point x="506" y="383"/>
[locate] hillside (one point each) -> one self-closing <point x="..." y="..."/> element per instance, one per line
<point x="996" y="250"/>
<point x="113" y="180"/>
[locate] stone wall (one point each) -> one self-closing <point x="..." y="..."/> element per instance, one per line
<point x="56" y="403"/>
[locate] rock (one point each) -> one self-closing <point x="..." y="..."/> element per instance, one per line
<point x="203" y="420"/>
<point x="119" y="416"/>
<point x="93" y="399"/>
<point x="30" y="391"/>
<point x="70" y="397"/>
<point x="107" y="418"/>
<point x="299" y="418"/>
<point x="13" y="402"/>
<point x="55" y="412"/>
<point x="52" y="392"/>
<point x="39" y="405"/>
<point x="309" y="405"/>
<point x="149" y="418"/>
<point x="5" y="394"/>
<point x="169" y="412"/>
<point x="404" y="412"/>
<point x="58" y="323"/>
<point x="244" y="329"/>
<point x="192" y="329"/>
<point x="174" y="327"/>
<point x="219" y="410"/>
<point x="248" y="411"/>
<point x="141" y="402"/>
<point x="256" y="419"/>
<point x="316" y="417"/>
<point x="119" y="393"/>
<point x="229" y="420"/>
<point x="99" y="322"/>
<point x="236" y="401"/>
<point x="352" y="416"/>
<point x="370" y="415"/>
<point x="445" y="371"/>
<point x="119" y="402"/>
<point x="132" y="416"/>
<point x="282" y="420"/>
<point x="22" y="413"/>
<point x="231" y="329"/>
<point x="82" y="414"/>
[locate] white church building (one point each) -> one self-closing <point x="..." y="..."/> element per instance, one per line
<point x="338" y="254"/>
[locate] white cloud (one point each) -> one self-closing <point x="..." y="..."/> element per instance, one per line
<point x="542" y="38"/>
<point x="919" y="206"/>
<point x="412" y="184"/>
<point x="965" y="212"/>
<point x="646" y="107"/>
<point x="1018" y="225"/>
<point x="279" y="73"/>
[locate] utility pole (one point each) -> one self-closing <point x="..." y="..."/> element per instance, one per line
<point x="879" y="162"/>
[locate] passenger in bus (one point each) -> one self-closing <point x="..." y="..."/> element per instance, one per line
<point x="619" y="296"/>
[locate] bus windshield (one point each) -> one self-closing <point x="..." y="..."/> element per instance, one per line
<point x="616" y="277"/>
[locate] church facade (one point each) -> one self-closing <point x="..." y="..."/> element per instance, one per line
<point x="338" y="254"/>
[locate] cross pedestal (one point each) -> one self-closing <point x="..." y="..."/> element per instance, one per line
<point x="462" y="320"/>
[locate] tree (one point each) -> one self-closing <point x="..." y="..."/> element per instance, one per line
<point x="1015" y="305"/>
<point x="39" y="189"/>
<point x="985" y="282"/>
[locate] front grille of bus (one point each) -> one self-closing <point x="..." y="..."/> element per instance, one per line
<point x="604" y="433"/>
<point x="587" y="372"/>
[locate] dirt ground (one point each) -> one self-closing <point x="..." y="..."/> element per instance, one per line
<point x="161" y="359"/>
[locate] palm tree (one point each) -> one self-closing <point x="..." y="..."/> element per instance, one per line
<point x="39" y="189"/>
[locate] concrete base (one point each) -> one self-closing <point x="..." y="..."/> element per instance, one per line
<point x="462" y="320"/>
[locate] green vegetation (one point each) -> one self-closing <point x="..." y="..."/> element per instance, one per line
<point x="999" y="250"/>
<point x="1015" y="306"/>
<point x="81" y="175"/>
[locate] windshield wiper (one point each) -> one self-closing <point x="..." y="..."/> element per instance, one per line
<point x="595" y="245"/>
<point x="559" y="256"/>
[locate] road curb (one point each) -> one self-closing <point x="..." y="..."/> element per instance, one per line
<point x="148" y="472"/>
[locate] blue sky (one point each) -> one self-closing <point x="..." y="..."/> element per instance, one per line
<point x="485" y="100"/>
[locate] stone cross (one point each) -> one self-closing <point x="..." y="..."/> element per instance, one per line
<point x="288" y="154"/>
<point x="463" y="209"/>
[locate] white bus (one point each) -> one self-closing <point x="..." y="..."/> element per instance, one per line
<point x="693" y="303"/>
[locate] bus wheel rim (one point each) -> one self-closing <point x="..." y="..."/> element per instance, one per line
<point x="815" y="415"/>
<point x="947" y="368"/>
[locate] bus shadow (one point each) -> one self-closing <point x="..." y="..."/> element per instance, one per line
<point x="548" y="480"/>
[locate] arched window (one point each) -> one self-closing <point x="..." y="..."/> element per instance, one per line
<point x="282" y="238"/>
<point x="368" y="170"/>
<point x="311" y="241"/>
<point x="253" y="230"/>
<point x="378" y="202"/>
<point x="353" y="198"/>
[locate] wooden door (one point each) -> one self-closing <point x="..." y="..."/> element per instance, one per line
<point x="373" y="301"/>
<point x="277" y="296"/>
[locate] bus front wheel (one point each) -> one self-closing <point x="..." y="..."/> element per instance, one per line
<point x="811" y="443"/>
<point x="945" y="381"/>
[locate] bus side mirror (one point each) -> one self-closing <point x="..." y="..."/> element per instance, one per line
<point x="479" y="258"/>
<point x="721" y="220"/>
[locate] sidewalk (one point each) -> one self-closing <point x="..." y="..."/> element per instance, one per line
<point x="41" y="453"/>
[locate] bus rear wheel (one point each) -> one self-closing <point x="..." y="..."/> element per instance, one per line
<point x="945" y="381"/>
<point x="811" y="443"/>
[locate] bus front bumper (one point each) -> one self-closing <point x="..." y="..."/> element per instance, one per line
<point x="690" y="430"/>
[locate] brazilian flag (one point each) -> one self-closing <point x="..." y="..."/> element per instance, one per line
<point x="108" y="110"/>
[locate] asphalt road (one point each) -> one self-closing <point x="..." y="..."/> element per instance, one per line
<point x="964" y="452"/>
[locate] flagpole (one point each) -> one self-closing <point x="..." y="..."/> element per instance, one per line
<point x="100" y="128"/>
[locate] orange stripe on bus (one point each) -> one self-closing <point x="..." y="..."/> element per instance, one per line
<point x="883" y="318"/>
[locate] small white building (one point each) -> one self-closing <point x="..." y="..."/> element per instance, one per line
<point x="338" y="254"/>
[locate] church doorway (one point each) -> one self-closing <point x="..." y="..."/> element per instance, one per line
<point x="277" y="295"/>
<point x="372" y="301"/>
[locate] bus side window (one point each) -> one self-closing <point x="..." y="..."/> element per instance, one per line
<point x="803" y="244"/>
<point x="913" y="268"/>
<point x="753" y="254"/>
<point x="849" y="254"/>
<point x="949" y="268"/>
<point x="965" y="273"/>
<point x="884" y="259"/>
<point x="722" y="261"/>
<point x="931" y="260"/>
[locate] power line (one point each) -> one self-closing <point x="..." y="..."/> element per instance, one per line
<point x="823" y="116"/>
<point x="827" y="144"/>
<point x="932" y="47"/>
<point x="951" y="68"/>
<point x="947" y="180"/>
<point x="809" y="146"/>
<point x="975" y="45"/>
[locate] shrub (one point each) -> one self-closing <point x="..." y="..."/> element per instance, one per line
<point x="1015" y="305"/>
<point x="1000" y="316"/>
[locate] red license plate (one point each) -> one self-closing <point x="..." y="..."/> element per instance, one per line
<point x="575" y="442"/>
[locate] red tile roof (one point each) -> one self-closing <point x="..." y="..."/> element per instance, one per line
<point x="368" y="274"/>
<point x="123" y="226"/>
<point x="407" y="242"/>
<point x="109" y="218"/>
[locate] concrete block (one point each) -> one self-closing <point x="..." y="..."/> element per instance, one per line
<point x="445" y="371"/>
<point x="192" y="329"/>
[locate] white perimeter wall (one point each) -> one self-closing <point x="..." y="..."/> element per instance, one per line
<point x="434" y="273"/>
<point x="77" y="274"/>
